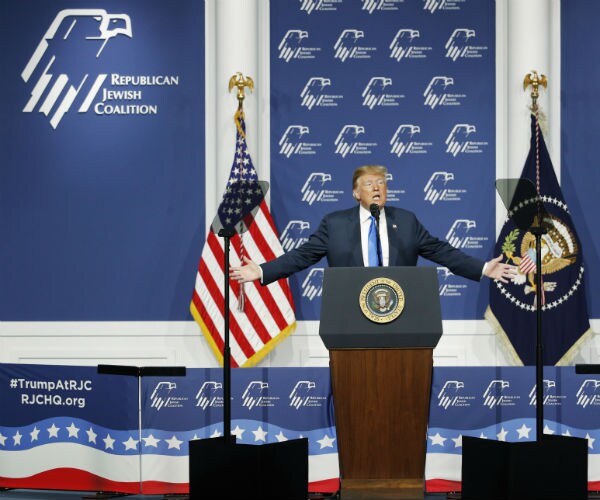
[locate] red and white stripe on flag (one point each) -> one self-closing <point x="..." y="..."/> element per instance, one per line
<point x="268" y="315"/>
<point x="527" y="264"/>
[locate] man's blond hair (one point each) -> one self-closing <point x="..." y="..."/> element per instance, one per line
<point x="367" y="169"/>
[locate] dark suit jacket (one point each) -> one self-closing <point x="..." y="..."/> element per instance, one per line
<point x="338" y="239"/>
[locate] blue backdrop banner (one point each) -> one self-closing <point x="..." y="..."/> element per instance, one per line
<point x="406" y="84"/>
<point x="102" y="147"/>
<point x="579" y="131"/>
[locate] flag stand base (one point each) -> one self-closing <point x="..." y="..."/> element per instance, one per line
<point x="553" y="468"/>
<point x="222" y="469"/>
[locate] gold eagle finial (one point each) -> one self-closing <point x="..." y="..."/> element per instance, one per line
<point x="238" y="80"/>
<point x="532" y="79"/>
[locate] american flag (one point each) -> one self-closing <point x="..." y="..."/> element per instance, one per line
<point x="527" y="264"/>
<point x="261" y="316"/>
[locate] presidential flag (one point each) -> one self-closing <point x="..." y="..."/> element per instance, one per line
<point x="512" y="308"/>
<point x="261" y="316"/>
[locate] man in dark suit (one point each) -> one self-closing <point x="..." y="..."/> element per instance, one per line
<point x="343" y="237"/>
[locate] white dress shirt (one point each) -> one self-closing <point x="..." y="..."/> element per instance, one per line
<point x="365" y="224"/>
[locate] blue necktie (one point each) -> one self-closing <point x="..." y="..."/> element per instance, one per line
<point x="373" y="260"/>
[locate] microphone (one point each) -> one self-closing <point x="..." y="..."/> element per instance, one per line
<point x="374" y="208"/>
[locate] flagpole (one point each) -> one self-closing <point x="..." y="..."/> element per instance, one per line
<point x="534" y="80"/>
<point x="240" y="82"/>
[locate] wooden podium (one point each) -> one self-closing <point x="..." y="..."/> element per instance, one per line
<point x="381" y="378"/>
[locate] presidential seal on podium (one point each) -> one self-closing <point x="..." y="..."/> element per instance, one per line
<point x="381" y="300"/>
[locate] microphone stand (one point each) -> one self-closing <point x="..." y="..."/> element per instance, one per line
<point x="539" y="348"/>
<point x="226" y="234"/>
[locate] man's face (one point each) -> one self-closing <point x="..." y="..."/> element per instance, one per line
<point x="371" y="188"/>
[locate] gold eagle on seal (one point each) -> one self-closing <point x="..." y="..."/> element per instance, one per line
<point x="559" y="250"/>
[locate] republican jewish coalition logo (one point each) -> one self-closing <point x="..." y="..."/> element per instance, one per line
<point x="301" y="393"/>
<point x="63" y="69"/>
<point x="295" y="234"/>
<point x="292" y="46"/>
<point x="313" y="189"/>
<point x="293" y="142"/>
<point x="496" y="394"/>
<point x="549" y="396"/>
<point x="210" y="394"/>
<point x="404" y="140"/>
<point x="347" y="141"/>
<point x="312" y="286"/>
<point x="313" y="91"/>
<point x="449" y="286"/>
<point x="380" y="5"/>
<point x="451" y="395"/>
<point x="588" y="393"/>
<point x="348" y="46"/>
<point x="62" y="89"/>
<point x="460" y="45"/>
<point x="309" y="6"/>
<point x="164" y="396"/>
<point x="375" y="93"/>
<point x="435" y="5"/>
<point x="437" y="94"/>
<point x="402" y="46"/>
<point x="436" y="189"/>
<point x="256" y="394"/>
<point x="460" y="140"/>
<point x="458" y="235"/>
<point x="314" y="94"/>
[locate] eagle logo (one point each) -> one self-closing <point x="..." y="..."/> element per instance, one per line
<point x="457" y="141"/>
<point x="312" y="286"/>
<point x="254" y="394"/>
<point x="456" y="46"/>
<point x="295" y="234"/>
<point x="313" y="91"/>
<point x="291" y="44"/>
<point x="448" y="394"/>
<point x="346" y="44"/>
<point x="300" y="395"/>
<point x="558" y="250"/>
<point x="588" y="393"/>
<point x="313" y="189"/>
<point x="290" y="142"/>
<point x="458" y="235"/>
<point x="373" y="94"/>
<point x="402" y="140"/>
<point x="346" y="140"/>
<point x="435" y="93"/>
<point x="436" y="189"/>
<point x="54" y="90"/>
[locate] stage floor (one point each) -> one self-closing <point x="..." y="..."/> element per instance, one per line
<point x="78" y="495"/>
